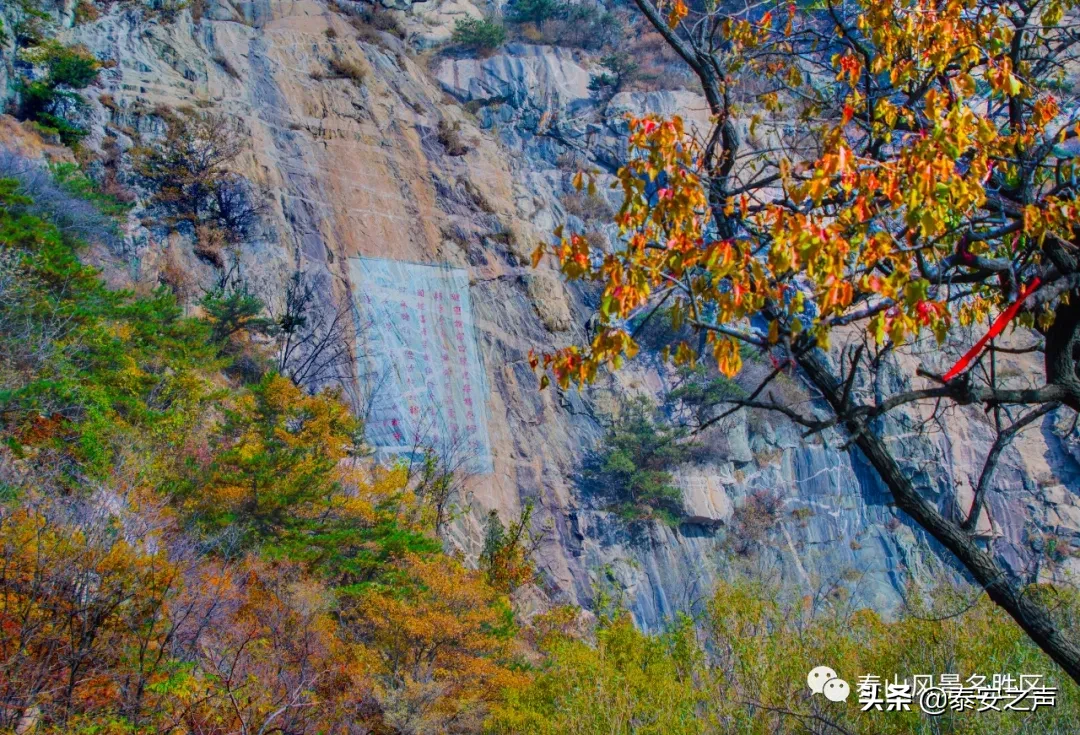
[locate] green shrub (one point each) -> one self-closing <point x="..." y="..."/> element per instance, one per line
<point x="603" y="81"/>
<point x="748" y="675"/>
<point x="632" y="465"/>
<point x="534" y="11"/>
<point x="47" y="101"/>
<point x="71" y="179"/>
<point x="230" y="311"/>
<point x="480" y="35"/>
<point x="71" y="66"/>
<point x="87" y="372"/>
<point x="620" y="69"/>
<point x="626" y="677"/>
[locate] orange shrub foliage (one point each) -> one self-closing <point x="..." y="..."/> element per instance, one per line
<point x="442" y="647"/>
<point x="82" y="620"/>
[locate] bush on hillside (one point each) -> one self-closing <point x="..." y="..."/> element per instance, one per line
<point x="576" y="26"/>
<point x="50" y="100"/>
<point x="742" y="667"/>
<point x="63" y="194"/>
<point x="534" y="11"/>
<point x="483" y="35"/>
<point x="188" y="173"/>
<point x="632" y="466"/>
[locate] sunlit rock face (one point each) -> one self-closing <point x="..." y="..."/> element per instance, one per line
<point x="466" y="162"/>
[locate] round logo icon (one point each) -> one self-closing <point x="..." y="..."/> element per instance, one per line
<point x="837" y="690"/>
<point x="817" y="677"/>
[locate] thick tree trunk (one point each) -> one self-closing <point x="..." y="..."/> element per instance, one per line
<point x="1063" y="351"/>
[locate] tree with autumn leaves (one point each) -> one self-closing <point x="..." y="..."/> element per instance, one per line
<point x="184" y="552"/>
<point x="902" y="196"/>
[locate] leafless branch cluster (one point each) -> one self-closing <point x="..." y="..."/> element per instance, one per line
<point x="314" y="335"/>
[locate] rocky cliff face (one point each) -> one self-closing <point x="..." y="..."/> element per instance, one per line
<point x="466" y="161"/>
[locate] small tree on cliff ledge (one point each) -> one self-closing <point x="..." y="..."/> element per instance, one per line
<point x="916" y="177"/>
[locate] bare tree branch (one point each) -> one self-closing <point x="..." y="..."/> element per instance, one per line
<point x="990" y="465"/>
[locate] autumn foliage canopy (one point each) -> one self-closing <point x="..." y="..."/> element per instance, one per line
<point x="933" y="185"/>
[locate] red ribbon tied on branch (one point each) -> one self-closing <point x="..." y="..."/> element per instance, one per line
<point x="995" y="329"/>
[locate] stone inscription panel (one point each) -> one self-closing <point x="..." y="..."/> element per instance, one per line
<point x="419" y="362"/>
